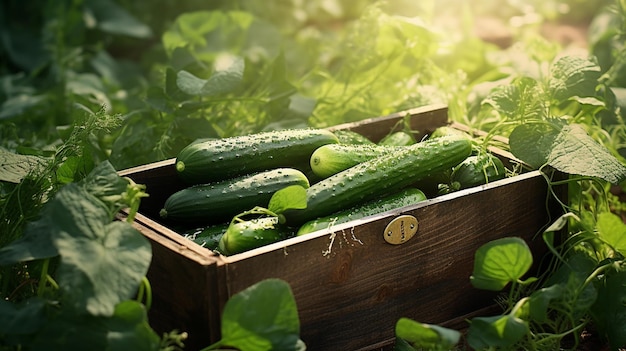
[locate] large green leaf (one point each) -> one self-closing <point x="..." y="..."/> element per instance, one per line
<point x="498" y="331"/>
<point x="23" y="319"/>
<point x="226" y="77"/>
<point x="568" y="148"/>
<point x="517" y="101"/>
<point x="14" y="167"/>
<point x="109" y="17"/>
<point x="426" y="336"/>
<point x="500" y="262"/>
<point x="262" y="317"/>
<point x="609" y="312"/>
<point x="573" y="76"/>
<point x="126" y="329"/>
<point x="103" y="266"/>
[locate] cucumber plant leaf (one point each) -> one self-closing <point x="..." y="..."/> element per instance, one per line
<point x="426" y="336"/>
<point x="262" y="317"/>
<point x="226" y="77"/>
<point x="568" y="148"/>
<point x="291" y="197"/>
<point x="612" y="230"/>
<point x="572" y="76"/>
<point x="126" y="329"/>
<point x="500" y="262"/>
<point x="23" y="319"/>
<point x="14" y="167"/>
<point x="609" y="311"/>
<point x="497" y="331"/>
<point x="539" y="301"/>
<point x="518" y="100"/>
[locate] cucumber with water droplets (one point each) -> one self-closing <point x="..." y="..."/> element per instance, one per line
<point x="244" y="235"/>
<point x="350" y="137"/>
<point x="225" y="158"/>
<point x="405" y="197"/>
<point x="334" y="158"/>
<point x="399" y="138"/>
<point x="380" y="176"/>
<point x="220" y="201"/>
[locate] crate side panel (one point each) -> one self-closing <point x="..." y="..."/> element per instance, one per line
<point x="184" y="294"/>
<point x="353" y="296"/>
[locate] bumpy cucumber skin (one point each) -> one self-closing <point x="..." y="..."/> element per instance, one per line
<point x="380" y="176"/>
<point x="350" y="137"/>
<point x="220" y="201"/>
<point x="334" y="158"/>
<point x="477" y="170"/>
<point x="447" y="130"/>
<point x="406" y="197"/>
<point x="225" y="158"/>
<point x="400" y="138"/>
<point x="250" y="234"/>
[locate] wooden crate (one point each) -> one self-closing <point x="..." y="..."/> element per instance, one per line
<point x="350" y="286"/>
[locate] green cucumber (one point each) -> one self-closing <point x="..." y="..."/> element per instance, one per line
<point x="220" y="201"/>
<point x="219" y="159"/>
<point x="244" y="235"/>
<point x="406" y="197"/>
<point x="350" y="137"/>
<point x="477" y="170"/>
<point x="207" y="236"/>
<point x="380" y="176"/>
<point x="400" y="138"/>
<point x="334" y="158"/>
<point x="447" y="130"/>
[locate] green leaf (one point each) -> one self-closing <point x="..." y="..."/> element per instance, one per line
<point x="573" y="76"/>
<point x="612" y="230"/>
<point x="262" y="317"/>
<point x="568" y="148"/>
<point x="497" y="331"/>
<point x="426" y="336"/>
<point x="101" y="266"/>
<point x="226" y="77"/>
<point x="291" y="197"/>
<point x="517" y="101"/>
<point x="114" y="19"/>
<point x="500" y="262"/>
<point x="575" y="152"/>
<point x="609" y="312"/>
<point x="14" y="167"/>
<point x="532" y="143"/>
<point x="24" y="318"/>
<point x="19" y="104"/>
<point x="540" y="300"/>
<point x="126" y="329"/>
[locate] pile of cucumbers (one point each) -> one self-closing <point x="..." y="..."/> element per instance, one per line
<point x="345" y="175"/>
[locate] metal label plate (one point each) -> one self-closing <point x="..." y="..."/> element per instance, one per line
<point x="401" y="229"/>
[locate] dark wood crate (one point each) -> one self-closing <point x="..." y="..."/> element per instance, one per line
<point x="351" y="296"/>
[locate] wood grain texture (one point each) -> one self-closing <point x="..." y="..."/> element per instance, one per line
<point x="351" y="297"/>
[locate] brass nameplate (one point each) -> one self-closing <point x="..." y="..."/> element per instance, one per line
<point x="401" y="229"/>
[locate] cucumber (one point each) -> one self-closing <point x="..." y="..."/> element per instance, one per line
<point x="447" y="130"/>
<point x="246" y="235"/>
<point x="207" y="236"/>
<point x="477" y="170"/>
<point x="380" y="176"/>
<point x="334" y="158"/>
<point x="219" y="202"/>
<point x="220" y="159"/>
<point x="400" y="138"/>
<point x="406" y="197"/>
<point x="349" y="137"/>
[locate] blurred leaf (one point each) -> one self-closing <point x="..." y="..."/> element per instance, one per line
<point x="24" y="318"/>
<point x="114" y="19"/>
<point x="14" y="167"/>
<point x="500" y="262"/>
<point x="262" y="317"/>
<point x="612" y="230"/>
<point x="226" y="77"/>
<point x="426" y="336"/>
<point x="497" y="331"/>
<point x="19" y="104"/>
<point x="609" y="312"/>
